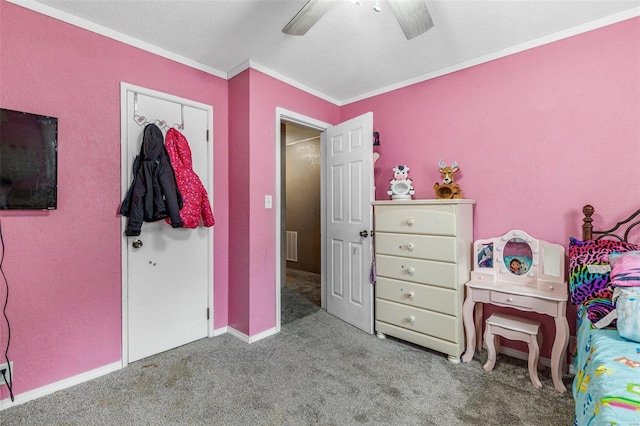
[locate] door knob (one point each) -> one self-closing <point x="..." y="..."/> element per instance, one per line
<point x="364" y="234"/>
<point x="136" y="244"/>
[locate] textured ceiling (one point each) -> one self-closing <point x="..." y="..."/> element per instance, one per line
<point x="352" y="52"/>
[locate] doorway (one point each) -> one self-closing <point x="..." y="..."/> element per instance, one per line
<point x="302" y="164"/>
<point x="346" y="188"/>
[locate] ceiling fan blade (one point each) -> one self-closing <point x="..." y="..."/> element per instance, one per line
<point x="413" y="16"/>
<point x="307" y="16"/>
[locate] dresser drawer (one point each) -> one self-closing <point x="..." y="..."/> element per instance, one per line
<point x="418" y="320"/>
<point x="440" y="274"/>
<point x="437" y="299"/>
<point x="512" y="299"/>
<point x="451" y="348"/>
<point x="433" y="220"/>
<point x="417" y="246"/>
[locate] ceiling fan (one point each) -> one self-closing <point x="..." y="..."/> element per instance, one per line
<point x="412" y="15"/>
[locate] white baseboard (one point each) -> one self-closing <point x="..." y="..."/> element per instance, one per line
<point x="98" y="372"/>
<point x="57" y="386"/>
<point x="251" y="339"/>
<point x="525" y="357"/>
<point x="220" y="331"/>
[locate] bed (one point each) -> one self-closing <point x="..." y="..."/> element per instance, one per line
<point x="606" y="386"/>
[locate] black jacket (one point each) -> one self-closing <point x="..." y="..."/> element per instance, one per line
<point x="153" y="194"/>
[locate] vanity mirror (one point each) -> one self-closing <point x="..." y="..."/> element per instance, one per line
<point x="518" y="258"/>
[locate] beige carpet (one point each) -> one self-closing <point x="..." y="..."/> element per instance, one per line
<point x="305" y="284"/>
<point x="317" y="371"/>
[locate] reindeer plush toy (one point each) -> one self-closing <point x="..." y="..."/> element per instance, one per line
<point x="448" y="189"/>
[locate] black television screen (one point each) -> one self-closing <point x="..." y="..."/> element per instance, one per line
<point x="28" y="161"/>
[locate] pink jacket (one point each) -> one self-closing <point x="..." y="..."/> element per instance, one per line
<point x="194" y="195"/>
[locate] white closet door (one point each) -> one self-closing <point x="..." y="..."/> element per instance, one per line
<point x="169" y="276"/>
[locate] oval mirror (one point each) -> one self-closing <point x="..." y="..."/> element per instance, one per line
<point x="517" y="256"/>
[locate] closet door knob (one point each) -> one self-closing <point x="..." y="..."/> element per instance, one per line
<point x="136" y="243"/>
<point x="364" y="234"/>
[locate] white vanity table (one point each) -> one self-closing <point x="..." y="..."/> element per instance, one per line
<point x="520" y="272"/>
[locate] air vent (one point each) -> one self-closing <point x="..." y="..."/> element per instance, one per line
<point x="292" y="246"/>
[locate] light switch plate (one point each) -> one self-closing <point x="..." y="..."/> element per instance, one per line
<point x="268" y="201"/>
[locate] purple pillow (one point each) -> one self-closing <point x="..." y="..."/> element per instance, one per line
<point x="599" y="306"/>
<point x="589" y="266"/>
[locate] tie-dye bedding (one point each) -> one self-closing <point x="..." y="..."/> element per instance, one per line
<point x="606" y="386"/>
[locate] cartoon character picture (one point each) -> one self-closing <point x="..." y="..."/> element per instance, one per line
<point x="515" y="266"/>
<point x="485" y="256"/>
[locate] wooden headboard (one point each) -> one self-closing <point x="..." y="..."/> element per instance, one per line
<point x="619" y="232"/>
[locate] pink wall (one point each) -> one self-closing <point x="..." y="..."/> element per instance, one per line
<point x="265" y="94"/>
<point x="531" y="133"/>
<point x="239" y="202"/>
<point x="63" y="266"/>
<point x="537" y="135"/>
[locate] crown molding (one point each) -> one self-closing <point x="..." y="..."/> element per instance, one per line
<point x="541" y="41"/>
<point x="115" y="35"/>
<point x="90" y="26"/>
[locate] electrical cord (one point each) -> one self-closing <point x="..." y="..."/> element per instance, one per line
<point x="4" y="312"/>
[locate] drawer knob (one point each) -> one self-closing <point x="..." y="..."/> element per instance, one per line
<point x="410" y="222"/>
<point x="509" y="299"/>
<point x="410" y="295"/>
<point x="411" y="270"/>
<point x="410" y="246"/>
<point x="550" y="287"/>
<point x="411" y="319"/>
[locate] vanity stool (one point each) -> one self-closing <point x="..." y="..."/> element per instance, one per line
<point x="514" y="328"/>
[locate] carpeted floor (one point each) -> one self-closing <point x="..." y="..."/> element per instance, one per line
<point x="317" y="371"/>
<point x="306" y="284"/>
<point x="300" y="297"/>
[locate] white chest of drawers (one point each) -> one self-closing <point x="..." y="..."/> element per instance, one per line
<point x="422" y="250"/>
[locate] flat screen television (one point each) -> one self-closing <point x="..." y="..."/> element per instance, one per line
<point x="28" y="161"/>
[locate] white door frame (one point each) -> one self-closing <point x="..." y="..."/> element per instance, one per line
<point x="124" y="88"/>
<point x="284" y="114"/>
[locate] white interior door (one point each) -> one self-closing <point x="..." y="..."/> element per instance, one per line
<point x="168" y="280"/>
<point x="349" y="192"/>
